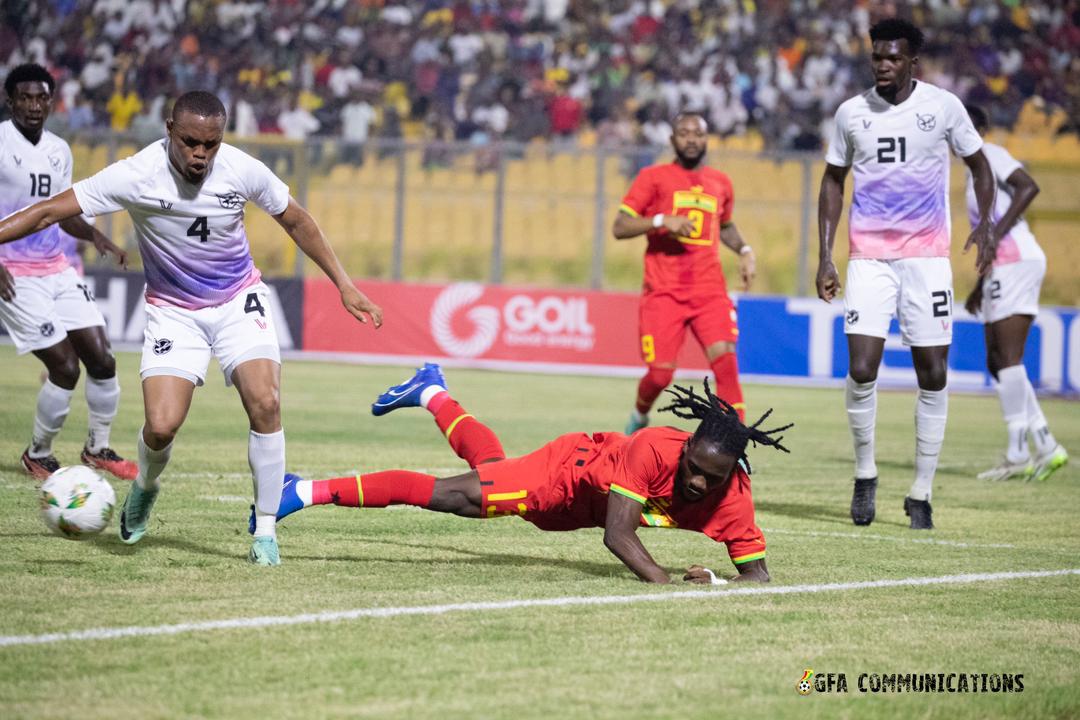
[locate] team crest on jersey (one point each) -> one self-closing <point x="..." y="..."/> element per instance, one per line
<point x="162" y="346"/>
<point x="925" y="122"/>
<point x="852" y="317"/>
<point x="55" y="162"/>
<point x="17" y="159"/>
<point x="231" y="201"/>
<point x="47" y="329"/>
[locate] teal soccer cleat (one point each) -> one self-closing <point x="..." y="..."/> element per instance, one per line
<point x="136" y="513"/>
<point x="264" y="551"/>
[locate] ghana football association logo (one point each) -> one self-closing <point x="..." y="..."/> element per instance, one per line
<point x="805" y="686"/>
<point x="484" y="319"/>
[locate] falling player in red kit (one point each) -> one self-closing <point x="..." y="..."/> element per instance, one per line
<point x="659" y="477"/>
<point x="684" y="210"/>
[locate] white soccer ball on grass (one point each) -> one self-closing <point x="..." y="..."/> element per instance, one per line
<point x="76" y="502"/>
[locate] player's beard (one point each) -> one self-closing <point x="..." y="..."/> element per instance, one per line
<point x="690" y="161"/>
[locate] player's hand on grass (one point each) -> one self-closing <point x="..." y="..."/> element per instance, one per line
<point x="358" y="305"/>
<point x="828" y="281"/>
<point x="679" y="225"/>
<point x="985" y="241"/>
<point x="105" y="246"/>
<point x="974" y="299"/>
<point x="7" y="285"/>
<point x="702" y="576"/>
<point x="747" y="268"/>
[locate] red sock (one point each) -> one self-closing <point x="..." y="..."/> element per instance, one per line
<point x="726" y="370"/>
<point x="379" y="489"/>
<point x="650" y="387"/>
<point x="472" y="440"/>
<point x="437" y="401"/>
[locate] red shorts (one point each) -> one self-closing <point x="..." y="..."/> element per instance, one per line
<point x="663" y="320"/>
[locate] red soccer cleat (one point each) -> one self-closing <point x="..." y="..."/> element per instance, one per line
<point x="109" y="461"/>
<point x="41" y="467"/>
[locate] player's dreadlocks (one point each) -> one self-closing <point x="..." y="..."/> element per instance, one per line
<point x="720" y="422"/>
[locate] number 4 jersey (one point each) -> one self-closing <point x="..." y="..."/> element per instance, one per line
<point x="28" y="174"/>
<point x="194" y="249"/>
<point x="900" y="157"/>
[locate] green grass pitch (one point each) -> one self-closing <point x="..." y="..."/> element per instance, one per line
<point x="698" y="657"/>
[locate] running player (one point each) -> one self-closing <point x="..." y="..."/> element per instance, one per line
<point x="897" y="136"/>
<point x="46" y="307"/>
<point x="204" y="296"/>
<point x="684" y="209"/>
<point x="658" y="477"/>
<point x="1007" y="299"/>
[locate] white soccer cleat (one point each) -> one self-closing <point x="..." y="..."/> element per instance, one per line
<point x="1007" y="469"/>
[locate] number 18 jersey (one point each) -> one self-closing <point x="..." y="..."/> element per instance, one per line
<point x="194" y="249"/>
<point x="900" y="157"/>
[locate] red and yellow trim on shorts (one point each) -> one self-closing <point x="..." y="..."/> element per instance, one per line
<point x="620" y="490"/>
<point x="359" y="491"/>
<point x="747" y="558"/>
<point x="454" y="423"/>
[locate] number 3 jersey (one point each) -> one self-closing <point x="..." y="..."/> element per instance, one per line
<point x="673" y="263"/>
<point x="28" y="174"/>
<point x="194" y="249"/>
<point x="900" y="157"/>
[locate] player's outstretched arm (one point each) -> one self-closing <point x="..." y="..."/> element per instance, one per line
<point x="79" y="228"/>
<point x="620" y="537"/>
<point x="39" y="216"/>
<point x="309" y="237"/>
<point x="729" y="235"/>
<point x="982" y="235"/>
<point x="830" y="204"/>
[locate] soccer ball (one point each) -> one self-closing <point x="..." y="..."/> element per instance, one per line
<point x="76" y="502"/>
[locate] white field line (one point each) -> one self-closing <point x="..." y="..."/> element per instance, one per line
<point x="385" y="612"/>
<point x="887" y="538"/>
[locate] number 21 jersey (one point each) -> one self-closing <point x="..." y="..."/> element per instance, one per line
<point x="194" y="249"/>
<point x="900" y="157"/>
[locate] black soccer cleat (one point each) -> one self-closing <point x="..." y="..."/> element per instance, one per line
<point x="920" y="513"/>
<point x="862" y="501"/>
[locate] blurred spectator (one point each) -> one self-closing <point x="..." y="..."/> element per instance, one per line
<point x="357" y="116"/>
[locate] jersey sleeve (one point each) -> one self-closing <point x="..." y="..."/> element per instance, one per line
<point x="266" y="189"/>
<point x="108" y="190"/>
<point x="639" y="198"/>
<point x="841" y="151"/>
<point x="963" y="138"/>
<point x="728" y="206"/>
<point x="66" y="170"/>
<point x="1001" y="163"/>
<point x="641" y="466"/>
<point x="733" y="523"/>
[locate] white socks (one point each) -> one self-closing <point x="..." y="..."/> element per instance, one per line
<point x="1044" y="441"/>
<point x="266" y="456"/>
<point x="151" y="463"/>
<point x="102" y="398"/>
<point x="429" y="392"/>
<point x="931" y="412"/>
<point x="861" y="402"/>
<point x="53" y="405"/>
<point x="1012" y="392"/>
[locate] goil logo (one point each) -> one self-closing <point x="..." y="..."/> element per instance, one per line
<point x="805" y="686"/>
<point x="484" y="318"/>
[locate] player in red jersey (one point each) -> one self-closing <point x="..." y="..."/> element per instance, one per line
<point x="659" y="477"/>
<point x="684" y="210"/>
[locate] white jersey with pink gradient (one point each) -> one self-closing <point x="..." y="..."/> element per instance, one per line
<point x="1019" y="244"/>
<point x="28" y="174"/>
<point x="194" y="249"/>
<point x="900" y="157"/>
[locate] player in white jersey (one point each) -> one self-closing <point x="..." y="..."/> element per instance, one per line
<point x="897" y="137"/>
<point x="1007" y="299"/>
<point x="186" y="195"/>
<point x="45" y="305"/>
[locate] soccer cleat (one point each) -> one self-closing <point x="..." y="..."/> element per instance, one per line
<point x="1007" y="469"/>
<point x="920" y="512"/>
<point x="41" y="467"/>
<point x="106" y="459"/>
<point x="633" y="424"/>
<point x="290" y="501"/>
<point x="264" y="551"/>
<point x="1048" y="464"/>
<point x="136" y="513"/>
<point x="862" y="501"/>
<point x="408" y="393"/>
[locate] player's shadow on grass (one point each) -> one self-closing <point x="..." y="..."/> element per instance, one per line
<point x="519" y="560"/>
<point x="116" y="547"/>
<point x="839" y="514"/>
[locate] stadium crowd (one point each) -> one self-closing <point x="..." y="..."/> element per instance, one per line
<point x="519" y="69"/>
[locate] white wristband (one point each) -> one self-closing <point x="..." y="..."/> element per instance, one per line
<point x="657" y="220"/>
<point x="713" y="580"/>
<point x="745" y="249"/>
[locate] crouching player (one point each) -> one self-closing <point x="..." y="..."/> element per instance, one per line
<point x="657" y="477"/>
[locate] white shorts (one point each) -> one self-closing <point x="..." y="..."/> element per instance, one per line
<point x="180" y="342"/>
<point x="1013" y="289"/>
<point x="917" y="291"/>
<point x="46" y="307"/>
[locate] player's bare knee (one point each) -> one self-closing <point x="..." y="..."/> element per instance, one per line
<point x="64" y="371"/>
<point x="933" y="378"/>
<point x="264" y="412"/>
<point x="863" y="372"/>
<point x="101" y="368"/>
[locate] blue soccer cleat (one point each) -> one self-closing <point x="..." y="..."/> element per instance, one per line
<point x="407" y="394"/>
<point x="290" y="501"/>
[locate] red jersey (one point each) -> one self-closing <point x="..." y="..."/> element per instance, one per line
<point x="565" y="486"/>
<point x="705" y="195"/>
